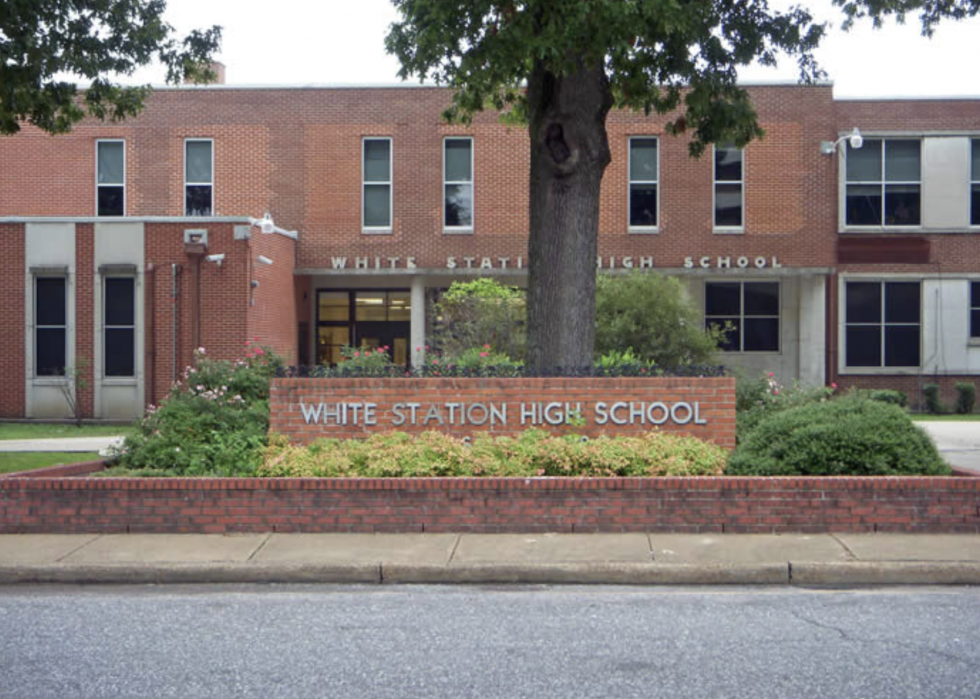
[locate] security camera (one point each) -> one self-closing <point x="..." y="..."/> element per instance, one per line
<point x="264" y="260"/>
<point x="216" y="258"/>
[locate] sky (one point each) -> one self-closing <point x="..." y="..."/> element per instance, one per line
<point x="299" y="42"/>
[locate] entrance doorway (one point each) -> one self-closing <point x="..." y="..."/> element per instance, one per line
<point x="362" y="318"/>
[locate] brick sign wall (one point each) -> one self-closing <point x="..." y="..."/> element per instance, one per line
<point x="306" y="409"/>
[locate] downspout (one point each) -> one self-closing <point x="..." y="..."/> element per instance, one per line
<point x="174" y="271"/>
<point x="149" y="396"/>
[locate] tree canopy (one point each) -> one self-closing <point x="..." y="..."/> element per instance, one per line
<point x="43" y="41"/>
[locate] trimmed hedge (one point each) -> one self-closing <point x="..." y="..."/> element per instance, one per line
<point x="847" y="436"/>
<point x="533" y="453"/>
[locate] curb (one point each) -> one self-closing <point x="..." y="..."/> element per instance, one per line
<point x="797" y="574"/>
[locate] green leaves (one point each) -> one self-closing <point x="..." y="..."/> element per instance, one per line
<point x="41" y="40"/>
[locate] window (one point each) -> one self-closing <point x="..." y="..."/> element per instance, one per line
<point x="975" y="184"/>
<point x="749" y="309"/>
<point x="50" y="325"/>
<point x="882" y="324"/>
<point x="643" y="167"/>
<point x="110" y="172"/>
<point x="975" y="310"/>
<point x="376" y="214"/>
<point x="729" y="186"/>
<point x="457" y="168"/>
<point x="119" y="326"/>
<point x="362" y="319"/>
<point x="884" y="183"/>
<point x="198" y="177"/>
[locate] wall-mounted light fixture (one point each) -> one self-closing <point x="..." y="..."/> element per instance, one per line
<point x="266" y="225"/>
<point x="217" y="259"/>
<point x="855" y="139"/>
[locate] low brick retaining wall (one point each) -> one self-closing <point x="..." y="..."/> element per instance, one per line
<point x="305" y="409"/>
<point x="718" y="504"/>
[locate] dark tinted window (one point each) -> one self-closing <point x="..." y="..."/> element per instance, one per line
<point x="50" y="300"/>
<point x="902" y="302"/>
<point x="198" y="200"/>
<point x="722" y="299"/>
<point x="863" y="302"/>
<point x="119" y="301"/>
<point x="761" y="298"/>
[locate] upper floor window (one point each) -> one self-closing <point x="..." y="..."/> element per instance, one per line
<point x="882" y="324"/>
<point x="644" y="173"/>
<point x="50" y="326"/>
<point x="749" y="309"/>
<point x="458" y="184"/>
<point x="110" y="170"/>
<point x="729" y="186"/>
<point x="975" y="183"/>
<point x="376" y="185"/>
<point x="198" y="177"/>
<point x="119" y="326"/>
<point x="884" y="183"/>
<point x="975" y="310"/>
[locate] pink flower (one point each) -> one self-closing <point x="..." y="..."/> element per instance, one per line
<point x="386" y="347"/>
<point x="775" y="391"/>
<point x="435" y="361"/>
<point x="419" y="348"/>
<point x="833" y="386"/>
<point x="426" y="347"/>
<point x="484" y="354"/>
<point x="357" y="354"/>
<point x="486" y="346"/>
<point x="259" y="351"/>
<point x="771" y="374"/>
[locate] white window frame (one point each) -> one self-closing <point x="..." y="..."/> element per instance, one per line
<point x="99" y="185"/>
<point x="714" y="193"/>
<point x="106" y="326"/>
<point x="459" y="230"/>
<point x="843" y="366"/>
<point x="882" y="183"/>
<point x="379" y="230"/>
<point x="38" y="326"/>
<point x="741" y="314"/>
<point x="210" y="184"/>
<point x="630" y="182"/>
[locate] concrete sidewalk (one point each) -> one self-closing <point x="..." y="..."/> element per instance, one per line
<point x="60" y="444"/>
<point x="818" y="559"/>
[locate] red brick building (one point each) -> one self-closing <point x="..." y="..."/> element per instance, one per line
<point x="124" y="246"/>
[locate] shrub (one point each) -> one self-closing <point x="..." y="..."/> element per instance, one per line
<point x="477" y="313"/>
<point x="365" y="361"/>
<point x="213" y="422"/>
<point x="757" y="399"/>
<point x="476" y="361"/>
<point x="533" y="453"/>
<point x="847" y="436"/>
<point x="933" y="404"/>
<point x="652" y="315"/>
<point x="889" y="396"/>
<point x="966" y="398"/>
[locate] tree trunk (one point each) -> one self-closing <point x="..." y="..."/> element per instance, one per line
<point x="569" y="153"/>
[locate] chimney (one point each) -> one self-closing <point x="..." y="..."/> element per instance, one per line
<point x="219" y="75"/>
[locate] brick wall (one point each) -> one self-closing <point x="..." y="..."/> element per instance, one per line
<point x="713" y="398"/>
<point x="720" y="504"/>
<point x="12" y="285"/>
<point x="272" y="319"/>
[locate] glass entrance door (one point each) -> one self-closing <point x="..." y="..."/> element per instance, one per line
<point x="363" y="318"/>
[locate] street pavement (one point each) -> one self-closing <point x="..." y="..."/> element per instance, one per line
<point x="958" y="442"/>
<point x="533" y="642"/>
<point x="636" y="558"/>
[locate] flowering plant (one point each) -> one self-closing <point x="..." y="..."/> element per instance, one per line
<point x="757" y="399"/>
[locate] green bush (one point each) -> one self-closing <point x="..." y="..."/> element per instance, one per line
<point x="652" y="315"/>
<point x="933" y="403"/>
<point x="966" y="398"/>
<point x="533" y="453"/>
<point x="477" y="313"/>
<point x="846" y="436"/>
<point x="886" y="395"/>
<point x="757" y="399"/>
<point x="213" y="422"/>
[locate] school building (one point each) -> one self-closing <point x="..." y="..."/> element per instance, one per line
<point x="316" y="217"/>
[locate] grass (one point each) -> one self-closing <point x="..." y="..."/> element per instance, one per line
<point x="953" y="417"/>
<point x="46" y="430"/>
<point x="25" y="461"/>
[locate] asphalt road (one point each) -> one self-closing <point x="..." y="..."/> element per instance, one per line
<point x="568" y="642"/>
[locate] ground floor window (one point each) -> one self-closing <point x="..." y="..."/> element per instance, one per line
<point x="50" y="326"/>
<point x="362" y="318"/>
<point x="119" y="326"/>
<point x="749" y="309"/>
<point x="882" y="324"/>
<point x="975" y="309"/>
